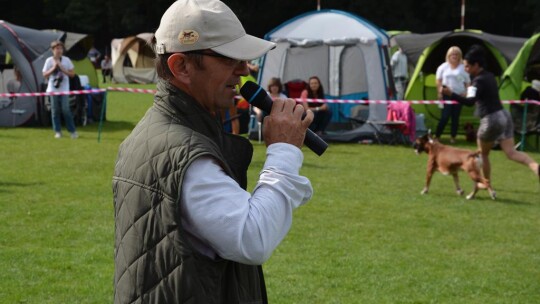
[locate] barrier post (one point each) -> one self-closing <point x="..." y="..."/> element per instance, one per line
<point x="103" y="107"/>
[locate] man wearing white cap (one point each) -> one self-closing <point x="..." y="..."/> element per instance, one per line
<point x="186" y="229"/>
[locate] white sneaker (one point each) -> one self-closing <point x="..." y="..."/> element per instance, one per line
<point x="74" y="135"/>
<point x="57" y="135"/>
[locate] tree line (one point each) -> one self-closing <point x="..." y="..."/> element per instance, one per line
<point x="108" y="19"/>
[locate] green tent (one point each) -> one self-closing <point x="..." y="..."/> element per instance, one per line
<point x="517" y="77"/>
<point x="524" y="68"/>
<point x="77" y="46"/>
<point x="428" y="51"/>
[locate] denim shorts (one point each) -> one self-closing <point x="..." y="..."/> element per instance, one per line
<point x="496" y="126"/>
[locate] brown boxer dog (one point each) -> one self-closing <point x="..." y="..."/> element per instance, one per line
<point x="449" y="160"/>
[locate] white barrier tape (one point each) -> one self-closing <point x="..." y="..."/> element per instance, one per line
<point x="340" y="101"/>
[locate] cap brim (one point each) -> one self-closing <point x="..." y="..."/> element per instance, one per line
<point x="246" y="47"/>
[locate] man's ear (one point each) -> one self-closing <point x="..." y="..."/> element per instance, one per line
<point x="178" y="65"/>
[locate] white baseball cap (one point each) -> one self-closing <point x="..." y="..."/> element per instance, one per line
<point x="190" y="25"/>
<point x="536" y="85"/>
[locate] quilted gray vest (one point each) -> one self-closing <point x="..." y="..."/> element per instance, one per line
<point x="154" y="261"/>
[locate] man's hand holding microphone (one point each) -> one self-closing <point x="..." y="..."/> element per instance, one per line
<point x="286" y="123"/>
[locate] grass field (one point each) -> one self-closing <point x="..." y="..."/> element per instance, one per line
<point x="367" y="236"/>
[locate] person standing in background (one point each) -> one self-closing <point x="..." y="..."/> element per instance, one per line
<point x="254" y="67"/>
<point x="93" y="55"/>
<point x="106" y="68"/>
<point x="452" y="75"/>
<point x="58" y="69"/>
<point x="400" y="73"/>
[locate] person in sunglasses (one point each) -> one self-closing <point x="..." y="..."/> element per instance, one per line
<point x="186" y="228"/>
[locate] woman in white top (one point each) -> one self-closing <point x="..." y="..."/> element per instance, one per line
<point x="451" y="74"/>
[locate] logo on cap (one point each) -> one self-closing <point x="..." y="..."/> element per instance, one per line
<point x="188" y="37"/>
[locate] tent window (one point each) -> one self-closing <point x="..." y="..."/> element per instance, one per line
<point x="353" y="75"/>
<point x="302" y="63"/>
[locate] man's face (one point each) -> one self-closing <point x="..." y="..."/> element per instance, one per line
<point x="214" y="85"/>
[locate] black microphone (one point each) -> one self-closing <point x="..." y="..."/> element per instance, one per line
<point x="258" y="97"/>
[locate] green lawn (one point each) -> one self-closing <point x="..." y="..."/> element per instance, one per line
<point x="367" y="236"/>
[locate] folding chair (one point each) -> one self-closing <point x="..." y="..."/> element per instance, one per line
<point x="295" y="88"/>
<point x="401" y="121"/>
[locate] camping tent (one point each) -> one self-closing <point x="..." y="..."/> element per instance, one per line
<point x="27" y="49"/>
<point x="518" y="76"/>
<point x="77" y="47"/>
<point x="524" y="68"/>
<point x="348" y="54"/>
<point x="428" y="51"/>
<point x="133" y="59"/>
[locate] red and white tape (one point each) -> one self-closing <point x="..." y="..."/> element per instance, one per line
<point x="131" y="90"/>
<point x="340" y="101"/>
<point x="363" y="101"/>
<point x="76" y="92"/>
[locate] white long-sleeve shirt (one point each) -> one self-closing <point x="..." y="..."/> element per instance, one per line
<point x="223" y="219"/>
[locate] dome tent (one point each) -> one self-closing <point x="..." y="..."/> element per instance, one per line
<point x="133" y="59"/>
<point x="27" y="49"/>
<point x="348" y="54"/>
<point x="523" y="69"/>
<point x="518" y="76"/>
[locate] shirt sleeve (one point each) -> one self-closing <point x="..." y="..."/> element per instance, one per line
<point x="46" y="66"/>
<point x="237" y="225"/>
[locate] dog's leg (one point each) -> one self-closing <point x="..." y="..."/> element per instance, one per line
<point x="480" y="183"/>
<point x="474" y="191"/>
<point x="459" y="191"/>
<point x="429" y="174"/>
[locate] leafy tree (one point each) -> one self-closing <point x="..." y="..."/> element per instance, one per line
<point x="107" y="19"/>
